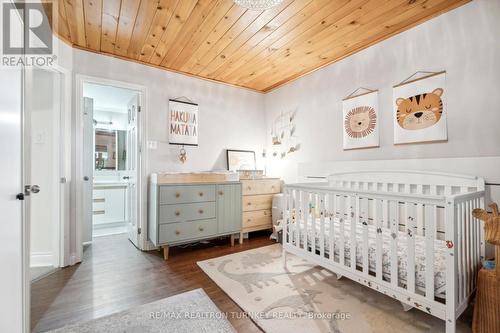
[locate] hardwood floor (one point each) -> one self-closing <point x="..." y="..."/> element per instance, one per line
<point x="115" y="276"/>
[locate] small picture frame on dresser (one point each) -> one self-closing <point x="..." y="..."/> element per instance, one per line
<point x="240" y="160"/>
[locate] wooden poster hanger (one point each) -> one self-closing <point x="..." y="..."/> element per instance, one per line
<point x="411" y="79"/>
<point x="355" y="94"/>
<point x="183" y="99"/>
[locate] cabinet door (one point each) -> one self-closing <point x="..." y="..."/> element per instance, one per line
<point x="229" y="208"/>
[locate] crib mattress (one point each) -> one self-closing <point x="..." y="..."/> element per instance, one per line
<point x="439" y="252"/>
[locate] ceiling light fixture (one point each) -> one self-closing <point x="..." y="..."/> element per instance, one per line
<point x="258" y="4"/>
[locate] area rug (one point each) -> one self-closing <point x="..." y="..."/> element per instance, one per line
<point x="308" y="298"/>
<point x="189" y="312"/>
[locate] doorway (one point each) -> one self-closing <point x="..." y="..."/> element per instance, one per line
<point x="111" y="161"/>
<point x="44" y="155"/>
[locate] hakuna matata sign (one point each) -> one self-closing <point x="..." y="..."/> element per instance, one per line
<point x="183" y="123"/>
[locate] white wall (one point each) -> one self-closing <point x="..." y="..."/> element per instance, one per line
<point x="464" y="42"/>
<point x="229" y="117"/>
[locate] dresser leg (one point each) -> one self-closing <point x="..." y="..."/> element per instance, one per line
<point x="232" y="239"/>
<point x="241" y="238"/>
<point x="165" y="252"/>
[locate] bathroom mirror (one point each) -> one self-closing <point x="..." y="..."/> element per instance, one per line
<point x="110" y="149"/>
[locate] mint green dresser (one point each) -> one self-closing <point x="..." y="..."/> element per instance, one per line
<point x="181" y="213"/>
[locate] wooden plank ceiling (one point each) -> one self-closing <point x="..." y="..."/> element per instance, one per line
<point x="221" y="41"/>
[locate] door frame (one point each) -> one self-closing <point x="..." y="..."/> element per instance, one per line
<point x="80" y="80"/>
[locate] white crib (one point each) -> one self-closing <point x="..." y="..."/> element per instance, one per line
<point x="402" y="224"/>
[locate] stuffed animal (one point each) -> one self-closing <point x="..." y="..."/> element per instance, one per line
<point x="491" y="223"/>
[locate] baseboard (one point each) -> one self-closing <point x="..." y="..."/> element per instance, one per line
<point x="73" y="260"/>
<point x="41" y="259"/>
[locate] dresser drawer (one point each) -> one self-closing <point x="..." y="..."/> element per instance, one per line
<point x="257" y="202"/>
<point x="176" y="232"/>
<point x="186" y="194"/>
<point x="257" y="218"/>
<point x="186" y="212"/>
<point x="260" y="186"/>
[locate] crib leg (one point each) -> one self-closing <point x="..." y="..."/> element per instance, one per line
<point x="406" y="307"/>
<point x="339" y="276"/>
<point x="451" y="325"/>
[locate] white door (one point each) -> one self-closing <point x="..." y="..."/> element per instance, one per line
<point x="132" y="172"/>
<point x="87" y="168"/>
<point x="12" y="280"/>
<point x="42" y="166"/>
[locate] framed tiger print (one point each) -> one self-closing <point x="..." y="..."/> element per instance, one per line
<point x="360" y="121"/>
<point x="420" y="110"/>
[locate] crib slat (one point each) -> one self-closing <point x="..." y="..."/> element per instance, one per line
<point x="286" y="217"/>
<point x="379" y="238"/>
<point x="420" y="212"/>
<point x="461" y="279"/>
<point x="314" y="213"/>
<point x="332" y="205"/>
<point x="394" y="218"/>
<point x="321" y="199"/>
<point x="342" y="219"/>
<point x="468" y="245"/>
<point x="474" y="244"/>
<point x="410" y="236"/>
<point x="307" y="206"/>
<point x="420" y="219"/>
<point x="451" y="259"/>
<point x="354" y="224"/>
<point x="430" y="234"/>
<point x="481" y="231"/>
<point x="366" y="267"/>
<point x="298" y="217"/>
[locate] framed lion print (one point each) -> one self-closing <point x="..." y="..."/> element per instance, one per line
<point x="360" y="121"/>
<point x="420" y="110"/>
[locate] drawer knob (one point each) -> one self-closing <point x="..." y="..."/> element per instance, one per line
<point x="177" y="194"/>
<point x="249" y="203"/>
<point x="201" y="194"/>
<point x="249" y="188"/>
<point x="265" y="213"/>
<point x="200" y="211"/>
<point x="221" y="192"/>
<point x="177" y="213"/>
<point x="177" y="232"/>
<point x="249" y="220"/>
<point x="201" y="228"/>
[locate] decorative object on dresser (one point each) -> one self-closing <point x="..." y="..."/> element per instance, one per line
<point x="240" y="160"/>
<point x="487" y="306"/>
<point x="189" y="207"/>
<point x="257" y="203"/>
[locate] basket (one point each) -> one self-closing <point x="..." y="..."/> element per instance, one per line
<point x="487" y="307"/>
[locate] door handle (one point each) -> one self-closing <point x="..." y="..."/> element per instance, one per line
<point x="86" y="178"/>
<point x="126" y="177"/>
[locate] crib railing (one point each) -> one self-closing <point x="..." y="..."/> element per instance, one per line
<point x="348" y="218"/>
